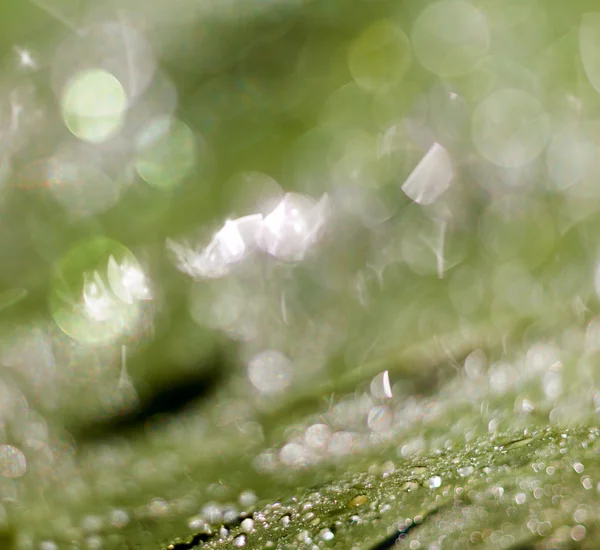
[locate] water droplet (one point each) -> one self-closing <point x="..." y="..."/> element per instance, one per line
<point x="92" y="524"/>
<point x="326" y="534"/>
<point x="270" y="372"/>
<point x="247" y="498"/>
<point x="239" y="541"/>
<point x="80" y="301"/>
<point x="380" y="419"/>
<point x="293" y="454"/>
<point x="465" y="471"/>
<point x="118" y="518"/>
<point x="247" y="525"/>
<point x="381" y="387"/>
<point x="158" y="507"/>
<point x="198" y="525"/>
<point x="410" y="486"/>
<point x="212" y="512"/>
<point x="434" y="482"/>
<point x="357" y="501"/>
<point x="230" y="514"/>
<point x="127" y="279"/>
<point x="578" y="533"/>
<point x="317" y="436"/>
<point x="293" y="226"/>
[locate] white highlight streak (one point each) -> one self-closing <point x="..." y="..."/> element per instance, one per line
<point x="431" y="177"/>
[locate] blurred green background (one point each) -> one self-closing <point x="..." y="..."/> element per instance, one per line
<point x="250" y="247"/>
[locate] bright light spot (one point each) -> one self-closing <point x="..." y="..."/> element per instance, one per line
<point x="81" y="301"/>
<point x="198" y="525"/>
<point x="98" y="300"/>
<point x="326" y="534"/>
<point x="270" y="372"/>
<point x="93" y="105"/>
<point x="431" y="177"/>
<point x="293" y="227"/>
<point x="228" y="247"/>
<point x="381" y="387"/>
<point x="247" y="525"/>
<point x="510" y="128"/>
<point x="26" y="60"/>
<point x="449" y="37"/>
<point x="379" y="56"/>
<point x="166" y="152"/>
<point x="526" y="406"/>
<point x="475" y="364"/>
<point x="434" y="482"/>
<point x="231" y="240"/>
<point x="239" y="541"/>
<point x="12" y="461"/>
<point x="247" y="498"/>
<point x="127" y="280"/>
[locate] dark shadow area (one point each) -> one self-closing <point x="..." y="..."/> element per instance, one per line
<point x="168" y="400"/>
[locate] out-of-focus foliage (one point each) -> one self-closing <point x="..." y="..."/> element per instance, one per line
<point x="299" y="274"/>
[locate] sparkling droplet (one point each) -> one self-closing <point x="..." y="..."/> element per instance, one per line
<point x="239" y="541"/>
<point x="434" y="482"/>
<point x="247" y="498"/>
<point x="247" y="525"/>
